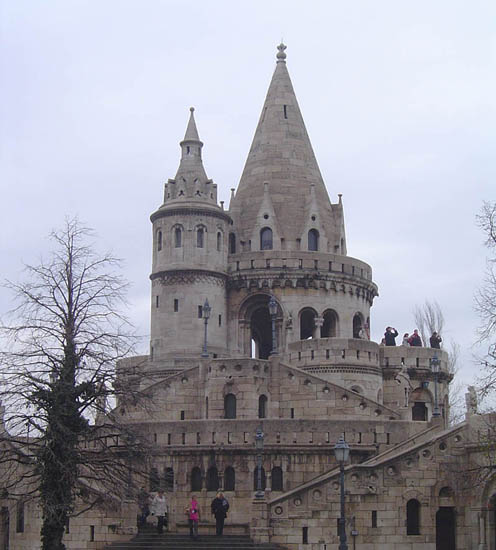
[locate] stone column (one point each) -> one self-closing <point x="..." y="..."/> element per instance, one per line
<point x="259" y="525"/>
<point x="482" y="532"/>
<point x="318" y="321"/>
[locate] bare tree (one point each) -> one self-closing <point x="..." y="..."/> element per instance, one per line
<point x="428" y="318"/>
<point x="57" y="375"/>
<point x="485" y="302"/>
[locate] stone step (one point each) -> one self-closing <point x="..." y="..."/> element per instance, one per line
<point x="176" y="541"/>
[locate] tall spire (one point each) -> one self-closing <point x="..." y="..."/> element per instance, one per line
<point x="191" y="182"/>
<point x="281" y="153"/>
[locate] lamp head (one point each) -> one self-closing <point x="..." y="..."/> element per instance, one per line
<point x="272" y="306"/>
<point x="206" y="309"/>
<point x="341" y="451"/>
<point x="435" y="363"/>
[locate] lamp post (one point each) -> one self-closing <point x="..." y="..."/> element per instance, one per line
<point x="206" y="315"/>
<point x="259" y="445"/>
<point x="273" y="313"/>
<point x="435" y="364"/>
<point x="342" y="453"/>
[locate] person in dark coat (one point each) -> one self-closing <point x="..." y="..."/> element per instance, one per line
<point x="219" y="507"/>
<point x="435" y="340"/>
<point x="415" y="339"/>
<point x="390" y="336"/>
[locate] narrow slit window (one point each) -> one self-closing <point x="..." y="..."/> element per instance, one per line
<point x="285" y="111"/>
<point x="200" y="312"/>
<point x="176" y="305"/>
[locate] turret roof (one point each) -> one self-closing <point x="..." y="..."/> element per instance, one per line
<point x="281" y="154"/>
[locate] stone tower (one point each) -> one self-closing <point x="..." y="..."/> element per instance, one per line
<point x="189" y="262"/>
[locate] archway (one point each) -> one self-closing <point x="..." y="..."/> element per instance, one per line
<point x="307" y="323"/>
<point x="445" y="528"/>
<point x="261" y="332"/>
<point x="329" y="328"/>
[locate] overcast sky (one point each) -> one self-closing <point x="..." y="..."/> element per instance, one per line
<point x="398" y="99"/>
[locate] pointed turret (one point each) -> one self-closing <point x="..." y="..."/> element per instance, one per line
<point x="281" y="153"/>
<point x="191" y="181"/>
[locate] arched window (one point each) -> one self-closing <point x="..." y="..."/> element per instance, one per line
<point x="313" y="240"/>
<point x="232" y="243"/>
<point x="255" y="479"/>
<point x="219" y="241"/>
<point x="200" y="237"/>
<point x="276" y="476"/>
<point x="154" y="479"/>
<point x="262" y="406"/>
<point x="20" y="517"/>
<point x="419" y="411"/>
<point x="159" y="240"/>
<point x="230" y="406"/>
<point x="169" y="479"/>
<point x="329" y="328"/>
<point x="212" y="479"/>
<point x="266" y="239"/>
<point x="178" y="234"/>
<point x="307" y="324"/>
<point x="357" y="325"/>
<point x="229" y="479"/>
<point x="413" y="517"/>
<point x="196" y="480"/>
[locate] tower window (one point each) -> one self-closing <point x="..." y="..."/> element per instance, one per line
<point x="232" y="243"/>
<point x="285" y="111"/>
<point x="200" y="312"/>
<point x="313" y="240"/>
<point x="156" y="301"/>
<point x="374" y="519"/>
<point x="230" y="406"/>
<point x="262" y="406"/>
<point x="176" y="305"/>
<point x="220" y="320"/>
<point x="187" y="149"/>
<point x="178" y="234"/>
<point x="266" y="239"/>
<point x="219" y="241"/>
<point x="159" y="241"/>
<point x="200" y="237"/>
<point x="413" y="517"/>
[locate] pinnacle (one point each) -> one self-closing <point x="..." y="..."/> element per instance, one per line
<point x="191" y="131"/>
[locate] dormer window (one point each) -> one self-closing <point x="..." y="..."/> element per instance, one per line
<point x="313" y="240"/>
<point x="266" y="239"/>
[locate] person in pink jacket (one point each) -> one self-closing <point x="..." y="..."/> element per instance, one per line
<point x="193" y="511"/>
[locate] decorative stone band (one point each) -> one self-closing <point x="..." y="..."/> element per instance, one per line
<point x="328" y="282"/>
<point x="192" y="210"/>
<point x="189" y="276"/>
<point x="356" y="369"/>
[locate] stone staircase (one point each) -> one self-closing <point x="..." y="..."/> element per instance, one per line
<point x="175" y="541"/>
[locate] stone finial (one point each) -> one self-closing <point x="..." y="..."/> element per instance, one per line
<point x="191" y="109"/>
<point x="471" y="401"/>
<point x="281" y="56"/>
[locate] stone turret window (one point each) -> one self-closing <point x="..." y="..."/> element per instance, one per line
<point x="20" y="517"/>
<point x="178" y="237"/>
<point x="169" y="479"/>
<point x="230" y="406"/>
<point x="262" y="406"/>
<point x="232" y="243"/>
<point x="276" y="476"/>
<point x="212" y="479"/>
<point x="219" y="241"/>
<point x="200" y="237"/>
<point x="196" y="480"/>
<point x="357" y="325"/>
<point x="413" y="517"/>
<point x="154" y="480"/>
<point x="313" y="240"/>
<point x="159" y="240"/>
<point x="329" y="328"/>
<point x="229" y="479"/>
<point x="307" y="324"/>
<point x="266" y="239"/>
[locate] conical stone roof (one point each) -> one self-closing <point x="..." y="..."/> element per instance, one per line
<point x="282" y="155"/>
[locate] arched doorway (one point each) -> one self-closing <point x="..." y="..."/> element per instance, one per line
<point x="256" y="327"/>
<point x="261" y="332"/>
<point x="445" y="528"/>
